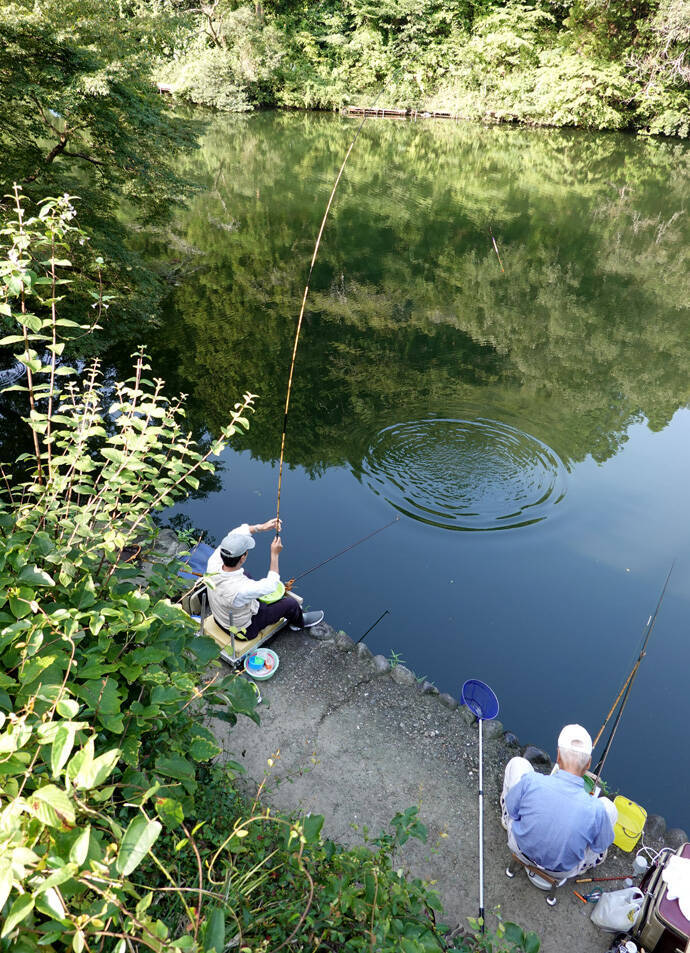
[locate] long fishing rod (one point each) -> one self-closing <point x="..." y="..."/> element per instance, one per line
<point x="304" y="298"/>
<point x="625" y="691"/>
<point x="346" y="550"/>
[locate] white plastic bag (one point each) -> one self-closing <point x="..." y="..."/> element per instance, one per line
<point x="618" y="910"/>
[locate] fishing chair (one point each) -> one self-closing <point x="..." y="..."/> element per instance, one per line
<point x="233" y="648"/>
<point x="541" y="879"/>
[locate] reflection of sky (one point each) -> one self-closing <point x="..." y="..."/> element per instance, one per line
<point x="640" y="495"/>
<point x="548" y="614"/>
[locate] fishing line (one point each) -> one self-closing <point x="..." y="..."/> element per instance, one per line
<point x="306" y="292"/>
<point x="625" y="691"/>
<point x="346" y="550"/>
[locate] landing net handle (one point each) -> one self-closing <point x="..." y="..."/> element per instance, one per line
<point x="483" y="703"/>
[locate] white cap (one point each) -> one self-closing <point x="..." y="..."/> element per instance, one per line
<point x="575" y="738"/>
<point x="237" y="543"/>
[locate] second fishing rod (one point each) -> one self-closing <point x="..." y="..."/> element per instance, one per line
<point x="624" y="693"/>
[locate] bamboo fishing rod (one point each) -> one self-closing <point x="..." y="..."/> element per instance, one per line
<point x="624" y="693"/>
<point x="304" y="301"/>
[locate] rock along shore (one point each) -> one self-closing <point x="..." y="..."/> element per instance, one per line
<point x="353" y="738"/>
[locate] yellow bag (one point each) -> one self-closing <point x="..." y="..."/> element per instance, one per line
<point x="628" y="827"/>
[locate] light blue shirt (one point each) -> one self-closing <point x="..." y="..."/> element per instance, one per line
<point x="555" y="820"/>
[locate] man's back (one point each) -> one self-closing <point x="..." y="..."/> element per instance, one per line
<point x="555" y="820"/>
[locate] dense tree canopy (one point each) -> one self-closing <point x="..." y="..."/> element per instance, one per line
<point x="79" y="113"/>
<point x="591" y="63"/>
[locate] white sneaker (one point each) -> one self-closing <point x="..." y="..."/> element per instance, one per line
<point x="310" y="619"/>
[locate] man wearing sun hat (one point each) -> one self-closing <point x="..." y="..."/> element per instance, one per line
<point x="550" y="818"/>
<point x="234" y="596"/>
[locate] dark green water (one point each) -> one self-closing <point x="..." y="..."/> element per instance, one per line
<point x="530" y="427"/>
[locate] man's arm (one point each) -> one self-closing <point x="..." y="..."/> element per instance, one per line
<point x="514" y="796"/>
<point x="603" y="833"/>
<point x="276" y="549"/>
<point x="275" y="524"/>
<point x="255" y="588"/>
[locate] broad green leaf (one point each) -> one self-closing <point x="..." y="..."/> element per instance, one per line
<point x="21" y="602"/>
<point x="6" y="880"/>
<point x="205" y="649"/>
<point x="532" y="943"/>
<point x="83" y="759"/>
<point x="130" y="750"/>
<point x="203" y="749"/>
<point x="170" y="811"/>
<point x="51" y="905"/>
<point x="11" y="339"/>
<point x="214" y="935"/>
<point x="80" y="848"/>
<point x="14" y="737"/>
<point x="513" y="933"/>
<point x="52" y="806"/>
<point x="101" y="695"/>
<point x="68" y="708"/>
<point x="167" y="612"/>
<point x="35" y="576"/>
<point x="140" y="836"/>
<point x="312" y="827"/>
<point x="144" y="904"/>
<point x="114" y="456"/>
<point x="94" y="772"/>
<point x="175" y="767"/>
<point x="20" y="910"/>
<point x="61" y="747"/>
<point x="57" y="878"/>
<point x="34" y="667"/>
<point x="84" y="595"/>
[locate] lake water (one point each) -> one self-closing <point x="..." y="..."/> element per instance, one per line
<point x="529" y="426"/>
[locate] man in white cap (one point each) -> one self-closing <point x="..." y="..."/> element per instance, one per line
<point x="550" y="818"/>
<point x="234" y="597"/>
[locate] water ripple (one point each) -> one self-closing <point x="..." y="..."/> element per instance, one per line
<point x="475" y="474"/>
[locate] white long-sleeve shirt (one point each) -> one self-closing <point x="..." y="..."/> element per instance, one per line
<point x="233" y="596"/>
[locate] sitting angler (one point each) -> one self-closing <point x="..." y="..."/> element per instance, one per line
<point x="551" y="820"/>
<point x="234" y="596"/>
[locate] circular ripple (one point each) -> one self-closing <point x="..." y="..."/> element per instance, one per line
<point x="475" y="474"/>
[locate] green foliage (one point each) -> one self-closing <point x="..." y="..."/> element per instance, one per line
<point x="100" y="675"/>
<point x="79" y="113"/>
<point x="507" y="937"/>
<point x="601" y="65"/>
<point x="283" y="880"/>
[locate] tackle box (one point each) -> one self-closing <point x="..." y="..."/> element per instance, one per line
<point x="661" y="927"/>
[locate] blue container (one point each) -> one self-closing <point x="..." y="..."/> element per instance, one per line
<point x="255" y="663"/>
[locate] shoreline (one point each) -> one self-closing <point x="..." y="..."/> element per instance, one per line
<point x="348" y="735"/>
